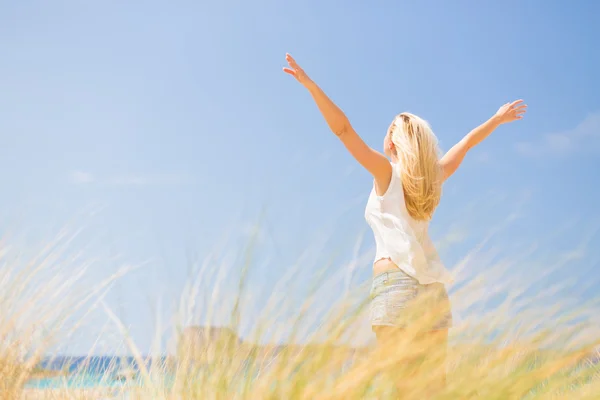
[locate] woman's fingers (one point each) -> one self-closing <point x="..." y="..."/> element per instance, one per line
<point x="290" y="71"/>
<point x="512" y="111"/>
<point x="292" y="62"/>
<point x="294" y="69"/>
<point x="520" y="110"/>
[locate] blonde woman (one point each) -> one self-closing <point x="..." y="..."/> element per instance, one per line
<point x="406" y="191"/>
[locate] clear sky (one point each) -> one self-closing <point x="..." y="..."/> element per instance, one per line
<point x="174" y="122"/>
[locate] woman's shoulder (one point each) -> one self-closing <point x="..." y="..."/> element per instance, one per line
<point x="396" y="170"/>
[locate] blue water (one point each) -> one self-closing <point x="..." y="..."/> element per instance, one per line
<point x="99" y="371"/>
<point x="96" y="364"/>
<point x="83" y="381"/>
<point x="88" y="372"/>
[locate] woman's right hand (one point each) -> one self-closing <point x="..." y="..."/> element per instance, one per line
<point x="510" y="112"/>
<point x="296" y="71"/>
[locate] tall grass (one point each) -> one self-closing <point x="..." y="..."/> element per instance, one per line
<point x="509" y="343"/>
<point x="43" y="298"/>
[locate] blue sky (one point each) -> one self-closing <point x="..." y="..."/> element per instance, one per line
<point x="176" y="125"/>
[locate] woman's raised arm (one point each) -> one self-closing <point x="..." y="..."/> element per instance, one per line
<point x="373" y="161"/>
<point x="507" y="113"/>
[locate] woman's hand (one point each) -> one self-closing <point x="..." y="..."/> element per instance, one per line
<point x="510" y="112"/>
<point x="296" y="71"/>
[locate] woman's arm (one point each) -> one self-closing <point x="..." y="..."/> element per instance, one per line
<point x="507" y="113"/>
<point x="373" y="161"/>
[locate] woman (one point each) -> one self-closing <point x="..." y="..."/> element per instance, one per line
<point x="409" y="299"/>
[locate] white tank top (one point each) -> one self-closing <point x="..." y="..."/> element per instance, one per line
<point x="400" y="237"/>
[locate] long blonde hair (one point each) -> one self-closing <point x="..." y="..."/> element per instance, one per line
<point x="418" y="155"/>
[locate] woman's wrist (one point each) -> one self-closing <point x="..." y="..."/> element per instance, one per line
<point x="496" y="120"/>
<point x="310" y="85"/>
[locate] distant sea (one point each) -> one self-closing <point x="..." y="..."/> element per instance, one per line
<point x="89" y="371"/>
<point x="101" y="371"/>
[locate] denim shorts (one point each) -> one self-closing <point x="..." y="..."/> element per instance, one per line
<point x="399" y="300"/>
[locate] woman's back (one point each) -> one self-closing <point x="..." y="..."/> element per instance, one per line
<point x="401" y="238"/>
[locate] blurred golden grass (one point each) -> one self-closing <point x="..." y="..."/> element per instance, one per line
<point x="517" y="349"/>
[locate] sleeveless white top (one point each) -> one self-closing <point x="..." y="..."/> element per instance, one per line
<point x="400" y="237"/>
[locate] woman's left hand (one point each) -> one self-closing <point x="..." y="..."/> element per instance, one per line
<point x="296" y="71"/>
<point x="510" y="112"/>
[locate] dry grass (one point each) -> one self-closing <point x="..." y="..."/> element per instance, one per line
<point x="508" y="352"/>
<point x="41" y="298"/>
